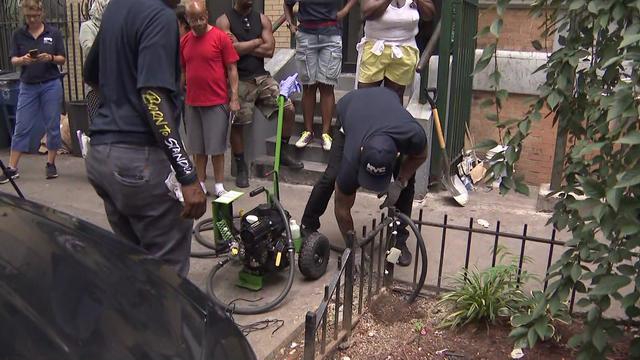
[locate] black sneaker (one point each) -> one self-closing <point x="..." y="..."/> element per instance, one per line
<point x="288" y="161"/>
<point x="52" y="172"/>
<point x="242" y="175"/>
<point x="11" y="173"/>
<point x="405" y="255"/>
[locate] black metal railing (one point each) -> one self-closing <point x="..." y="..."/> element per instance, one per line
<point x="379" y="273"/>
<point x="340" y="292"/>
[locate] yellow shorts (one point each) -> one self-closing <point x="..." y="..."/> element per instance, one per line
<point x="374" y="68"/>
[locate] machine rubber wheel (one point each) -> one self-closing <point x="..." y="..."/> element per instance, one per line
<point x="314" y="256"/>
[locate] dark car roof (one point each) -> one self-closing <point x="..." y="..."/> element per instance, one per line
<point x="71" y="290"/>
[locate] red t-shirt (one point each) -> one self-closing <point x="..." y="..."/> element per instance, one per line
<point x="205" y="59"/>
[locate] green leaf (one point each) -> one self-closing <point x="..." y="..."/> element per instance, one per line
<point x="599" y="339"/>
<point x="522" y="188"/>
<point x="486" y="144"/>
<point x="627" y="270"/>
<point x="532" y="337"/>
<point x="494" y="79"/>
<point x="536" y="45"/>
<point x="554" y="99"/>
<point x="518" y="332"/>
<point x="520" y="320"/>
<point x="484" y="31"/>
<point x="576" y="4"/>
<point x="524" y="126"/>
<point x="610" y="284"/>
<point x="629" y="178"/>
<point x="510" y="155"/>
<point x="592" y="187"/>
<point x="589" y="148"/>
<point x="630" y="139"/>
<point x="485" y="58"/>
<point x="576" y="271"/>
<point x="496" y="27"/>
<point x="613" y="198"/>
<point x="629" y="39"/>
<point x="486" y="103"/>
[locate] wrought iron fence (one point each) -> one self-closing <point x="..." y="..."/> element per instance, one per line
<point x="65" y="15"/>
<point x="380" y="273"/>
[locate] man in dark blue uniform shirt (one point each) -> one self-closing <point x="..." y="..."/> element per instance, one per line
<point x="377" y="139"/>
<point x="134" y="137"/>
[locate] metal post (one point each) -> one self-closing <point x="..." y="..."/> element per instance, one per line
<point x="347" y="306"/>
<point x="558" y="159"/>
<point x="310" y="336"/>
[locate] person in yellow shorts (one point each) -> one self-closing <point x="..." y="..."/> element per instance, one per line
<point x="388" y="51"/>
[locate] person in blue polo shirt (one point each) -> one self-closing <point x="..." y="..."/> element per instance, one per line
<point x="38" y="49"/>
<point x="376" y="139"/>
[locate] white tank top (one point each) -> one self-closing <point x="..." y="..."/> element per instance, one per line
<point x="397" y="26"/>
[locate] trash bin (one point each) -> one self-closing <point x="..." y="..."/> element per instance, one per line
<point x="9" y="89"/>
<point x="78" y="120"/>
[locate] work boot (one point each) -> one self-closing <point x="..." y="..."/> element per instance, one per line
<point x="242" y="175"/>
<point x="405" y="255"/>
<point x="287" y="160"/>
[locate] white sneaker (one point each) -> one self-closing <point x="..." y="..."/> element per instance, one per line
<point x="326" y="142"/>
<point x="304" y="140"/>
<point x="219" y="190"/>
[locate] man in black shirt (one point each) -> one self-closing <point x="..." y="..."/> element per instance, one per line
<point x="252" y="37"/>
<point x="134" y="137"/>
<point x="377" y="138"/>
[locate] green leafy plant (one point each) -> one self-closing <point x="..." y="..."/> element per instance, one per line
<point x="591" y="91"/>
<point x="486" y="295"/>
<point x="418" y="325"/>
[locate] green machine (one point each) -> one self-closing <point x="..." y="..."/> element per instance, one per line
<point x="262" y="239"/>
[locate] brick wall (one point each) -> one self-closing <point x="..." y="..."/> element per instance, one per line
<point x="537" y="153"/>
<point x="273" y="9"/>
<point x="518" y="31"/>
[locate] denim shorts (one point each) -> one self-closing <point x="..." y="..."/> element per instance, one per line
<point x="318" y="58"/>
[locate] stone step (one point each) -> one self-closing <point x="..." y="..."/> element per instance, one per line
<point x="298" y="126"/>
<point x="261" y="167"/>
<point x="312" y="152"/>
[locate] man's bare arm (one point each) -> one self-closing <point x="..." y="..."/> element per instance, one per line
<point x="242" y="47"/>
<point x="288" y="14"/>
<point x="345" y="10"/>
<point x="268" y="46"/>
<point x="410" y="164"/>
<point x="373" y="9"/>
<point x="426" y="9"/>
<point x="343" y="205"/>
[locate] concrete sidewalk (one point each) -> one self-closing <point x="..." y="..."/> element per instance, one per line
<point x="72" y="193"/>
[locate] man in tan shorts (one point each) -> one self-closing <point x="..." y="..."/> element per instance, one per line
<point x="252" y="38"/>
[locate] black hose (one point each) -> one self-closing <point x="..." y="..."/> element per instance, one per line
<point x="422" y="248"/>
<point x="201" y="226"/>
<point x="423" y="253"/>
<point x="253" y="310"/>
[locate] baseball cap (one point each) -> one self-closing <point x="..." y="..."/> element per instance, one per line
<point x="377" y="158"/>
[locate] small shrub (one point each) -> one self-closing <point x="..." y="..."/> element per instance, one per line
<point x="486" y="295"/>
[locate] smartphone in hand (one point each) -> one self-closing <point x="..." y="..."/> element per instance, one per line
<point x="34" y="53"/>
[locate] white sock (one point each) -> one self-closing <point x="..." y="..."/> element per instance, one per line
<point x="204" y="188"/>
<point x="218" y="188"/>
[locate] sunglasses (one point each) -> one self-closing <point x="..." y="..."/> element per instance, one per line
<point x="246" y="23"/>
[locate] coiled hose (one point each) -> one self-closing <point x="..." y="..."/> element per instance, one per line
<point x="252" y="310"/>
<point x="205" y="225"/>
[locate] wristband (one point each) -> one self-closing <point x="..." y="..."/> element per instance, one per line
<point x="52" y="57"/>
